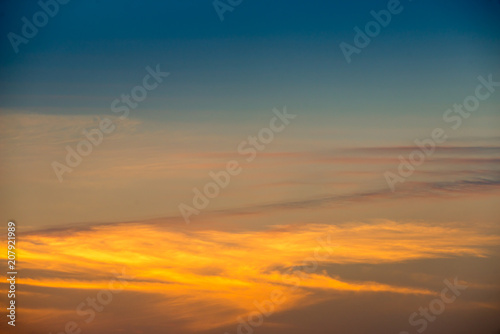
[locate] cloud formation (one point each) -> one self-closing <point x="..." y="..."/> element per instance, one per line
<point x="219" y="275"/>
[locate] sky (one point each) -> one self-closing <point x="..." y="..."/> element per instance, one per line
<point x="233" y="169"/>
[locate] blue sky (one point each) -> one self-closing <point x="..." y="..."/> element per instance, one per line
<point x="263" y="54"/>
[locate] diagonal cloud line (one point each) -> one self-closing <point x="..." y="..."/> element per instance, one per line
<point x="465" y="185"/>
<point x="441" y="188"/>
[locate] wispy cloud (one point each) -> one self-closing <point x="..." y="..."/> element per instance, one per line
<point x="228" y="270"/>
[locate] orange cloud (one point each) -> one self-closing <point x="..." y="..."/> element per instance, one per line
<point x="220" y="275"/>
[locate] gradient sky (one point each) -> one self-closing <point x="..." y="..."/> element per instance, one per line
<point x="321" y="177"/>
